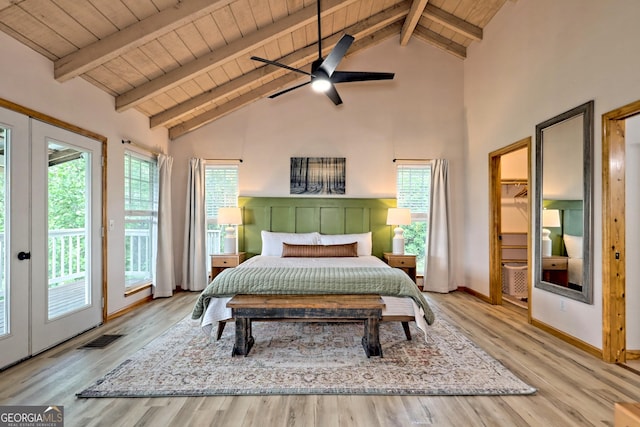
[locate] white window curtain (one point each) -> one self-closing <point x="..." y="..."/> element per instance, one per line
<point x="438" y="274"/>
<point x="194" y="261"/>
<point x="164" y="280"/>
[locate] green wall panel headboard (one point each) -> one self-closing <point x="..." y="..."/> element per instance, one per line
<point x="307" y="214"/>
<point x="572" y="219"/>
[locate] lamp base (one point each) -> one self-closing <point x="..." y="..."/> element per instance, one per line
<point x="398" y="241"/>
<point x="230" y="241"/>
<point x="546" y="243"/>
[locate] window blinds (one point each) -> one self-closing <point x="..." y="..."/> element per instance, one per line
<point x="413" y="188"/>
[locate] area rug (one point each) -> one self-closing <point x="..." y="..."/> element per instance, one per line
<point x="309" y="358"/>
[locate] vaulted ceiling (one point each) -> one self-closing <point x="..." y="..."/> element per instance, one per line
<point x="186" y="63"/>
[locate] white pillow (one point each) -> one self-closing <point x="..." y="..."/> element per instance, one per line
<point x="573" y="245"/>
<point x="363" y="240"/>
<point x="272" y="241"/>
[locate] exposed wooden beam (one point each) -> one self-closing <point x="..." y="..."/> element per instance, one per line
<point x="264" y="90"/>
<point x="453" y="22"/>
<point x="296" y="59"/>
<point x="5" y="4"/>
<point x="135" y="35"/>
<point x="417" y="7"/>
<point x="240" y="47"/>
<point x="442" y="42"/>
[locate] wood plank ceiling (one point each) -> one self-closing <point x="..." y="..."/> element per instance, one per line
<point x="187" y="63"/>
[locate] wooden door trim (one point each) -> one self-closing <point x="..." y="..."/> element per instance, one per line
<point x="613" y="233"/>
<point x="495" y="219"/>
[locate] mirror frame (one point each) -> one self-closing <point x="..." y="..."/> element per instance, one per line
<point x="586" y="295"/>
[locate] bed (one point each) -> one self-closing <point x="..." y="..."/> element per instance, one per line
<point x="573" y="247"/>
<point x="314" y="263"/>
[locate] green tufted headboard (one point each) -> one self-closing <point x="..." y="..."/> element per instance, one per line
<point x="307" y="214"/>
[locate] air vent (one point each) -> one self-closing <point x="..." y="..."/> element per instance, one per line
<point x="102" y="341"/>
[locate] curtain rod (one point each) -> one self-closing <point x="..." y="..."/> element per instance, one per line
<point x="128" y="141"/>
<point x="412" y="160"/>
<point x="223" y="160"/>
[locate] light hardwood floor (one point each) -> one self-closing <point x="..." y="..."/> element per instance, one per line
<point x="574" y="388"/>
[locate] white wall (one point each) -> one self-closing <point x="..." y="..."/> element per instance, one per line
<point x="417" y="115"/>
<point x="26" y="78"/>
<point x="540" y="58"/>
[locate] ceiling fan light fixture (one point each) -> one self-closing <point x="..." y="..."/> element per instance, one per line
<point x="320" y="84"/>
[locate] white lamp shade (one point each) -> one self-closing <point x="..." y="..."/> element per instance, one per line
<point x="550" y="218"/>
<point x="398" y="216"/>
<point x="230" y="216"/>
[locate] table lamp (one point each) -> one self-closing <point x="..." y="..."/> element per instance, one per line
<point x="398" y="217"/>
<point x="230" y="217"/>
<point x="550" y="218"/>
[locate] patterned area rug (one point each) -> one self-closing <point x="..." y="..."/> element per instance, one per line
<point x="309" y="358"/>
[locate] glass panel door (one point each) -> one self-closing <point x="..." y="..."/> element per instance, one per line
<point x="4" y="300"/>
<point x="66" y="248"/>
<point x="50" y="235"/>
<point x="14" y="237"/>
<point x="68" y="219"/>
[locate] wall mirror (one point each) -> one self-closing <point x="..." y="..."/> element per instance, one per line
<point x="564" y="204"/>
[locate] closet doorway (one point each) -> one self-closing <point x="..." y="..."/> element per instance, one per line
<point x="509" y="257"/>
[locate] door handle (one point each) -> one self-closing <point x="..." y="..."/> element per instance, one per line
<point x="24" y="255"/>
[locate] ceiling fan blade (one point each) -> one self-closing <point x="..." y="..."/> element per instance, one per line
<point x="282" y="92"/>
<point x="337" y="53"/>
<point x="278" y="64"/>
<point x="332" y="93"/>
<point x="359" y="76"/>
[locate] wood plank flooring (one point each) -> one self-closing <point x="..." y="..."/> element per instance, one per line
<point x="574" y="388"/>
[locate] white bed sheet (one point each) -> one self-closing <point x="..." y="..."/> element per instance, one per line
<point x="575" y="270"/>
<point x="394" y="306"/>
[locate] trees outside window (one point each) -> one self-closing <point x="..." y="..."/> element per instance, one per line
<point x="413" y="192"/>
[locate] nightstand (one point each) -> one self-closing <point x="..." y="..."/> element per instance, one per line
<point x="221" y="261"/>
<point x="555" y="270"/>
<point x="405" y="262"/>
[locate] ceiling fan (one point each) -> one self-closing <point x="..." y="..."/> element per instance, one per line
<point x="323" y="71"/>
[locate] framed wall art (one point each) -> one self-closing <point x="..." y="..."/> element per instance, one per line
<point x="318" y="175"/>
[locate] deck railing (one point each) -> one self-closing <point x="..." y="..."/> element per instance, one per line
<point x="67" y="257"/>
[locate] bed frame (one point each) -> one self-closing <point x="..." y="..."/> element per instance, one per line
<point x="324" y="215"/>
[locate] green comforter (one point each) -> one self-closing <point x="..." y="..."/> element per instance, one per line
<point x="315" y="280"/>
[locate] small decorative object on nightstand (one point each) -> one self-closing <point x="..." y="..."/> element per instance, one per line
<point x="405" y="262"/>
<point x="221" y="261"/>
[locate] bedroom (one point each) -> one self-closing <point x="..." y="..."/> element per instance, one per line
<point x="550" y="59"/>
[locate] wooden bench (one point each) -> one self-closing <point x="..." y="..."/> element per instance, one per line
<point x="308" y="308"/>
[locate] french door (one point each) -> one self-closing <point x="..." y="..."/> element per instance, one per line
<point x="51" y="246"/>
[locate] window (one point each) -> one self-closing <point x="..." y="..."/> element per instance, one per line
<point x="413" y="192"/>
<point x="221" y="190"/>
<point x="140" y="217"/>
